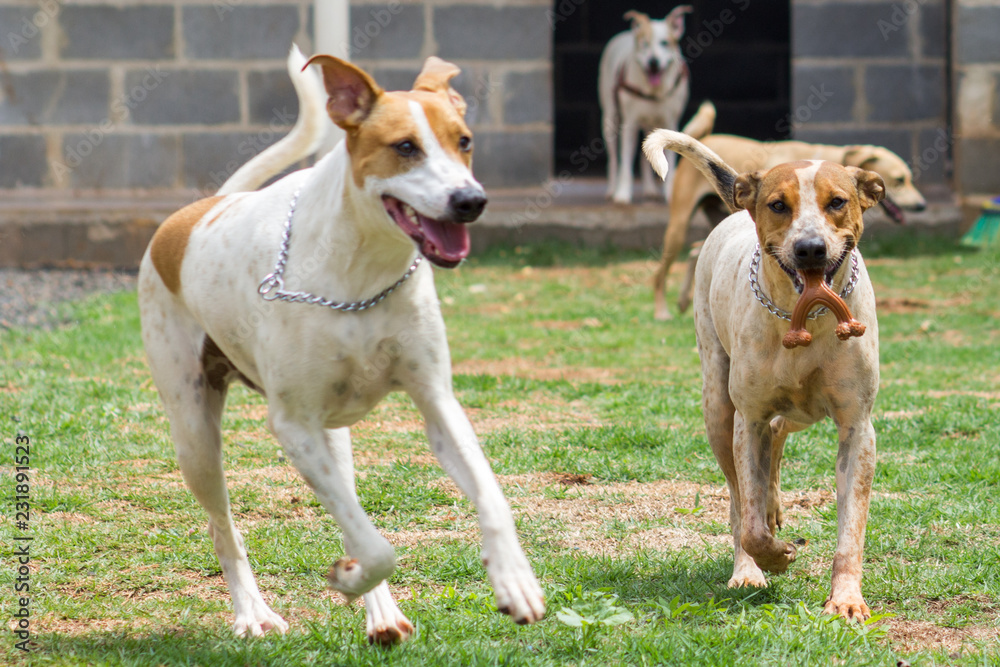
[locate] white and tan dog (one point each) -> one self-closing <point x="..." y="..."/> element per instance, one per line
<point x="799" y="216"/>
<point x="642" y="84"/>
<point x="691" y="191"/>
<point x="399" y="188"/>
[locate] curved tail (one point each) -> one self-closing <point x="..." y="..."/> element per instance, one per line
<point x="719" y="174"/>
<point x="305" y="138"/>
<point x="703" y="121"/>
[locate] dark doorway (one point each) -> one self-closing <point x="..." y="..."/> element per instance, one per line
<point x="737" y="50"/>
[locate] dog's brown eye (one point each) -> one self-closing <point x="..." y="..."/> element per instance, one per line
<point x="465" y="144"/>
<point x="777" y="206"/>
<point x="406" y="148"/>
<point x="837" y="203"/>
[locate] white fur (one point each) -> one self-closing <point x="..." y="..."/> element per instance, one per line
<point x="320" y="370"/>
<point x="624" y="114"/>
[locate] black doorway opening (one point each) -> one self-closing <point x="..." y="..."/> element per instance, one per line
<point x="737" y="50"/>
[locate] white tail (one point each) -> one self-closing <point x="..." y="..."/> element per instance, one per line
<point x="719" y="174"/>
<point x="305" y="138"/>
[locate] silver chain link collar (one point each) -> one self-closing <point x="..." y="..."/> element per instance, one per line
<point x="272" y="287"/>
<point x="784" y="314"/>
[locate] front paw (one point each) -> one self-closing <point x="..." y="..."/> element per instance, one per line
<point x="850" y="607"/>
<point x="775" y="559"/>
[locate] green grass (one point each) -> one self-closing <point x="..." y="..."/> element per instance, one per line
<point x="563" y="373"/>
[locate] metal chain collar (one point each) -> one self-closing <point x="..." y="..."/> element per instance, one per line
<point x="272" y="287"/>
<point x="784" y="314"/>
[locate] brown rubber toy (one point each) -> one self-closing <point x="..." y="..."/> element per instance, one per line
<point x="817" y="292"/>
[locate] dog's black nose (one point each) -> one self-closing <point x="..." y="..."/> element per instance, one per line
<point x="654" y="66"/>
<point x="810" y="252"/>
<point x="466" y="204"/>
<point x="919" y="207"/>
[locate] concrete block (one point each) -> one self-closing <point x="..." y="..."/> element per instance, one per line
<point x="527" y="97"/>
<point x="54" y="97"/>
<point x="22" y="161"/>
<point x="904" y="92"/>
<point x="492" y="32"/>
<point x="272" y="99"/>
<point x="841" y="29"/>
<point x="209" y="158"/>
<point x="931" y="162"/>
<point x="976" y="34"/>
<point x="98" y="161"/>
<point x="995" y="116"/>
<point x="820" y="94"/>
<point x="392" y="30"/>
<point x="182" y="97"/>
<point x="394" y="78"/>
<point x="932" y="30"/>
<point x="21" y="35"/>
<point x="512" y="159"/>
<point x="105" y="31"/>
<point x="978" y="168"/>
<point x="230" y="30"/>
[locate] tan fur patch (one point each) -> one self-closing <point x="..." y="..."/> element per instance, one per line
<point x="171" y="239"/>
<point x="371" y="145"/>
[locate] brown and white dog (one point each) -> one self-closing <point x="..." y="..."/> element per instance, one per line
<point x="642" y="84"/>
<point x="800" y="216"/>
<point x="691" y="191"/>
<point x="399" y="188"/>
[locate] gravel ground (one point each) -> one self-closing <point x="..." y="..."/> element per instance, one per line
<point x="30" y="299"/>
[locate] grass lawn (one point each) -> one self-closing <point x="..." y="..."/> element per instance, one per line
<point x="590" y="414"/>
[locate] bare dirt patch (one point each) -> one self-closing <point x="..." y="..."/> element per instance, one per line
<point x="533" y="370"/>
<point x="912" y="636"/>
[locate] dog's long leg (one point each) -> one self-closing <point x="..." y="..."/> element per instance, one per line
<point x="324" y="462"/>
<point x="384" y="622"/>
<point x="456" y="447"/>
<point x="780" y="429"/>
<point x="628" y="140"/>
<point x="855" y="471"/>
<point x="681" y="210"/>
<point x="609" y="129"/>
<point x="194" y="409"/>
<point x="720" y="415"/>
<point x="752" y="453"/>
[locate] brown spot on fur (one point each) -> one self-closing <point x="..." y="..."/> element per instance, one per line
<point x="219" y="370"/>
<point x="171" y="239"/>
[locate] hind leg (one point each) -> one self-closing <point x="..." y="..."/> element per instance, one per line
<point x="174" y="346"/>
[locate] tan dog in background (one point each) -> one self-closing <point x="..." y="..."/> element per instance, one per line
<point x="796" y="217"/>
<point x="692" y="191"/>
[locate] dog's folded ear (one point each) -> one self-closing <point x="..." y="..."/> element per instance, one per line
<point x="640" y="23"/>
<point x="352" y="92"/>
<point x="435" y="77"/>
<point x="859" y="156"/>
<point x="871" y="187"/>
<point x="745" y="191"/>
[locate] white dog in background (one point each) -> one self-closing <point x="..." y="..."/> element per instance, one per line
<point x="642" y="85"/>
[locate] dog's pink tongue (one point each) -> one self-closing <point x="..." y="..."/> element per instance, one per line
<point x="655" y="79"/>
<point x="450" y="240"/>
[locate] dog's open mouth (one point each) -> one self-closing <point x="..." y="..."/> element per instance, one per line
<point x="893" y="211"/>
<point x="798" y="278"/>
<point x="444" y="243"/>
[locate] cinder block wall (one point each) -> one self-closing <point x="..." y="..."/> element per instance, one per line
<point x="977" y="99"/>
<point x="505" y="52"/>
<point x="140" y="96"/>
<point x="873" y="72"/>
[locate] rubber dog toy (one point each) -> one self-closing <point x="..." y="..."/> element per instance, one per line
<point x="817" y="292"/>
